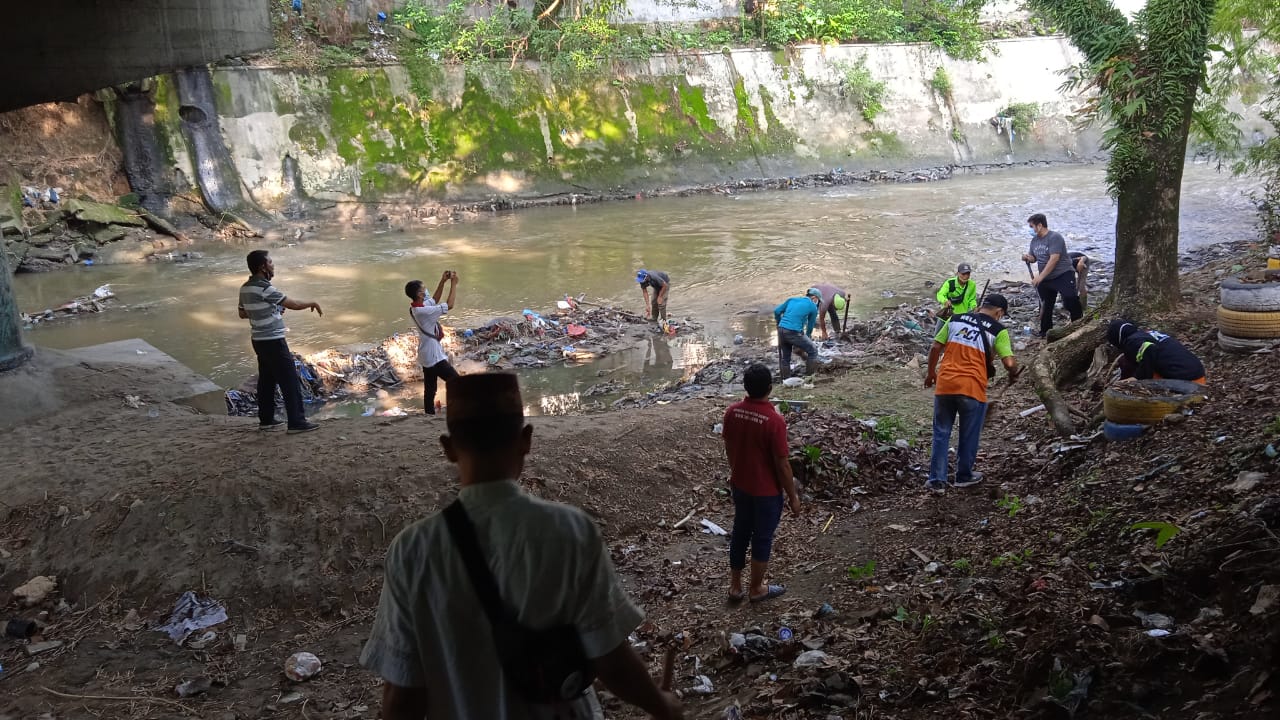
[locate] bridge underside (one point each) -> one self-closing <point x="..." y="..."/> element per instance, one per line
<point x="60" y="49"/>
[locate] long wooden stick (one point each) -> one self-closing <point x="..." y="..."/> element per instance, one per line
<point x="1036" y="290"/>
<point x="132" y="698"/>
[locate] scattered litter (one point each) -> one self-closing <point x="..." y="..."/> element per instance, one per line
<point x="1247" y="481"/>
<point x="36" y="589"/>
<point x="204" y="641"/>
<point x="1158" y="633"/>
<point x="900" y="528"/>
<point x="703" y="686"/>
<point x="793" y="382"/>
<point x="1153" y="620"/>
<point x="195" y="686"/>
<point x="811" y="658"/>
<point x="241" y="642"/>
<point x="711" y="528"/>
<point x="1207" y="614"/>
<point x="1031" y="411"/>
<point x="20" y="629"/>
<point x="785" y="634"/>
<point x="1267" y="597"/>
<point x="131" y="621"/>
<point x="191" y="613"/>
<point x="302" y="666"/>
<point x="825" y="610"/>
<point x="43" y="647"/>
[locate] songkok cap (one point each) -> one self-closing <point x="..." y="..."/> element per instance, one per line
<point x="963" y="269"/>
<point x="482" y="396"/>
<point x="996" y="301"/>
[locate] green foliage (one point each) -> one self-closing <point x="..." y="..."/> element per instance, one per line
<point x="941" y="82"/>
<point x="914" y="620"/>
<point x="862" y="572"/>
<point x="1022" y="116"/>
<point x="863" y="90"/>
<point x="1011" y="559"/>
<point x="1273" y="428"/>
<point x="587" y="41"/>
<point x="956" y="135"/>
<point x="1010" y="503"/>
<point x="963" y="565"/>
<point x="812" y="453"/>
<point x="1164" y="531"/>
<point x="952" y="26"/>
<point x="1144" y="74"/>
<point x="450" y="35"/>
<point x="889" y="428"/>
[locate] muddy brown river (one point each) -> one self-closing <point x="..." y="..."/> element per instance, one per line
<point x="725" y="253"/>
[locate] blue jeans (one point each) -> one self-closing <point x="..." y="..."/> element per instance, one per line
<point x="755" y="520"/>
<point x="787" y="339"/>
<point x="972" y="414"/>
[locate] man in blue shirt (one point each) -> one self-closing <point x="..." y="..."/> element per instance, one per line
<point x="795" y="318"/>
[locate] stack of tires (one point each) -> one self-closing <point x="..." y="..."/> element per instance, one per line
<point x="1131" y="407"/>
<point x="1249" y="313"/>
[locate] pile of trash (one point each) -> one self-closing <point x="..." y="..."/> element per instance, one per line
<point x="573" y="334"/>
<point x="95" y="302"/>
<point x="243" y="401"/>
<point x="50" y="230"/>
<point x="577" y="332"/>
<point x="363" y="368"/>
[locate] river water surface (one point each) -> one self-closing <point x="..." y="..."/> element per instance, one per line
<point x="725" y="254"/>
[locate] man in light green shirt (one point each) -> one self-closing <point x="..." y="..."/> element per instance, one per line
<point x="958" y="295"/>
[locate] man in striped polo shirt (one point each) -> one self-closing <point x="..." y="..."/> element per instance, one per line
<point x="971" y="341"/>
<point x="262" y="305"/>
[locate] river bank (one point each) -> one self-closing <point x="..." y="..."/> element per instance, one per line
<point x="48" y="236"/>
<point x="1031" y="595"/>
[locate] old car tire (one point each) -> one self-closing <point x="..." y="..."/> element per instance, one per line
<point x="1236" y="294"/>
<point x="1244" y="345"/>
<point x="1167" y="397"/>
<point x="1249" y="324"/>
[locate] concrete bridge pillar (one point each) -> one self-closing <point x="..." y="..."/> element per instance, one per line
<point x="12" y="352"/>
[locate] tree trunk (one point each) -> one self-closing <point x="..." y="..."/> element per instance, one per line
<point x="1059" y="361"/>
<point x="1146" y="273"/>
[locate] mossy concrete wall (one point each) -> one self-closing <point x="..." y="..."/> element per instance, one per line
<point x="422" y="131"/>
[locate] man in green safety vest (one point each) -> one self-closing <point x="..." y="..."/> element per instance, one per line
<point x="958" y="295"/>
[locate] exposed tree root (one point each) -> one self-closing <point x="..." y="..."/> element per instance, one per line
<point x="1059" y="361"/>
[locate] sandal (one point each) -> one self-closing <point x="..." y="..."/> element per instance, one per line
<point x="772" y="592"/>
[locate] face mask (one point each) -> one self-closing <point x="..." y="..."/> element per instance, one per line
<point x="1032" y="232"/>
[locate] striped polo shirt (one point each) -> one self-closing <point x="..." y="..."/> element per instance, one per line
<point x="264" y="305"/>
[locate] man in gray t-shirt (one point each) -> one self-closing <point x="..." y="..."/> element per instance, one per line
<point x="1056" y="276"/>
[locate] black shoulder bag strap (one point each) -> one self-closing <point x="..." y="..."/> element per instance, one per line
<point x="438" y="335"/>
<point x="986" y="344"/>
<point x="464" y="536"/>
<point x="545" y="666"/>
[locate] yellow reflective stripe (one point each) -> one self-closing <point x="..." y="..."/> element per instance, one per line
<point x="1143" y="350"/>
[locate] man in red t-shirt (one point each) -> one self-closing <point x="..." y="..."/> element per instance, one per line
<point x="755" y="438"/>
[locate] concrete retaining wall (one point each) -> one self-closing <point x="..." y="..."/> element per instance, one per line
<point x="455" y="133"/>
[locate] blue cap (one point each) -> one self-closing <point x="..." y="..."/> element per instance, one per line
<point x="642" y="275"/>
